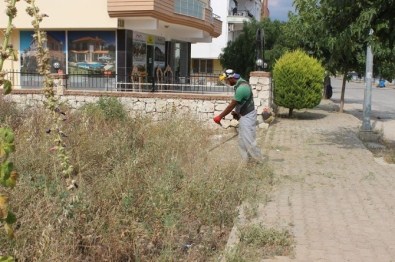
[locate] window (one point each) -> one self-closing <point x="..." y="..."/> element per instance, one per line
<point x="194" y="8"/>
<point x="202" y="66"/>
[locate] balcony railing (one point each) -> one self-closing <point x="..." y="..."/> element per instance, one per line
<point x="193" y="8"/>
<point x="195" y="14"/>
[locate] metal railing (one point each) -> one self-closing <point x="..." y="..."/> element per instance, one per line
<point x="241" y="13"/>
<point x="90" y="82"/>
<point x="24" y="79"/>
<point x="194" y="83"/>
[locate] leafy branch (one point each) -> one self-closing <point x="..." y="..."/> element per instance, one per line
<point x="8" y="175"/>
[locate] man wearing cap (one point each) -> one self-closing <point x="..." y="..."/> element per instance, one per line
<point x="243" y="109"/>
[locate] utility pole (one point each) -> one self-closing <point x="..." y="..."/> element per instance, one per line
<point x="367" y="103"/>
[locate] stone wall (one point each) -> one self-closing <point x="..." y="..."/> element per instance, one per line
<point x="157" y="105"/>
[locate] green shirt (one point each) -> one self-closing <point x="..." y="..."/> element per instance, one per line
<point x="244" y="97"/>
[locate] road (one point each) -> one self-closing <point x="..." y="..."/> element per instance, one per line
<point x="383" y="104"/>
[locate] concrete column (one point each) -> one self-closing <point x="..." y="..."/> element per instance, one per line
<point x="261" y="83"/>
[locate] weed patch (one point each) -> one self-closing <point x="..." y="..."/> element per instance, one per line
<point x="389" y="156"/>
<point x="146" y="191"/>
<point x="257" y="242"/>
<point x="9" y="113"/>
<point x="384" y="149"/>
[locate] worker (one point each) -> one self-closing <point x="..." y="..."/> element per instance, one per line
<point x="242" y="108"/>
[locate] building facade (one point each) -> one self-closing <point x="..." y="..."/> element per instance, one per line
<point x="233" y="14"/>
<point x="115" y="37"/>
<point x="265" y="13"/>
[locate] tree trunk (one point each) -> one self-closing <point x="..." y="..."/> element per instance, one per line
<point x="290" y="112"/>
<point x="342" y="93"/>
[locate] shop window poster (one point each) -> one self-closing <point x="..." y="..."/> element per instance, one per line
<point x="139" y="53"/>
<point x="91" y="52"/>
<point x="28" y="51"/>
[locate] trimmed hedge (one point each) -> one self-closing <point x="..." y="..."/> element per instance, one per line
<point x="298" y="81"/>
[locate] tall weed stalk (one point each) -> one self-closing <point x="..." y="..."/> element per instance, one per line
<point x="8" y="174"/>
<point x="52" y="101"/>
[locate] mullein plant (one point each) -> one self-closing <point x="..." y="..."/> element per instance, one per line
<point x="53" y="104"/>
<point x="52" y="101"/>
<point x="8" y="174"/>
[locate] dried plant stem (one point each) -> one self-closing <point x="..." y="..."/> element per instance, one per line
<point x="6" y="49"/>
<point x="52" y="102"/>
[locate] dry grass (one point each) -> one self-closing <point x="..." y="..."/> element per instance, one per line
<point x="389" y="152"/>
<point x="383" y="149"/>
<point x="9" y="114"/>
<point x="258" y="242"/>
<point x="146" y="192"/>
<point x="389" y="156"/>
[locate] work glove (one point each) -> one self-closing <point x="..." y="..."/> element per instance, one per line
<point x="217" y="119"/>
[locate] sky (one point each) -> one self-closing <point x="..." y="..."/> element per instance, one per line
<point x="279" y="9"/>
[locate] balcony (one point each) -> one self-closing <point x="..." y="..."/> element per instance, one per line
<point x="238" y="18"/>
<point x="186" y="20"/>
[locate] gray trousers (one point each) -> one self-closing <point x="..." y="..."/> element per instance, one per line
<point x="249" y="149"/>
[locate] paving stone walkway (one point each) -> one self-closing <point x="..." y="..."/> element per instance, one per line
<point x="332" y="194"/>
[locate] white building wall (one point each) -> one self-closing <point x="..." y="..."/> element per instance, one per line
<point x="213" y="49"/>
<point x="65" y="14"/>
<point x="221" y="8"/>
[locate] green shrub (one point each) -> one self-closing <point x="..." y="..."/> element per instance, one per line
<point x="298" y="81"/>
<point x="108" y="107"/>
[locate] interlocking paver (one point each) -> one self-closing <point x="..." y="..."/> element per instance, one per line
<point x="335" y="198"/>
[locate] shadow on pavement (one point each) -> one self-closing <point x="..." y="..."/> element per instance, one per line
<point x="358" y="112"/>
<point x="344" y="137"/>
<point x="302" y="115"/>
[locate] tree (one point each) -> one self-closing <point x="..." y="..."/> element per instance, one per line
<point x="338" y="32"/>
<point x="276" y="42"/>
<point x="338" y="49"/>
<point x="240" y="54"/>
<point x="363" y="15"/>
<point x="298" y="81"/>
<point x="384" y="65"/>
